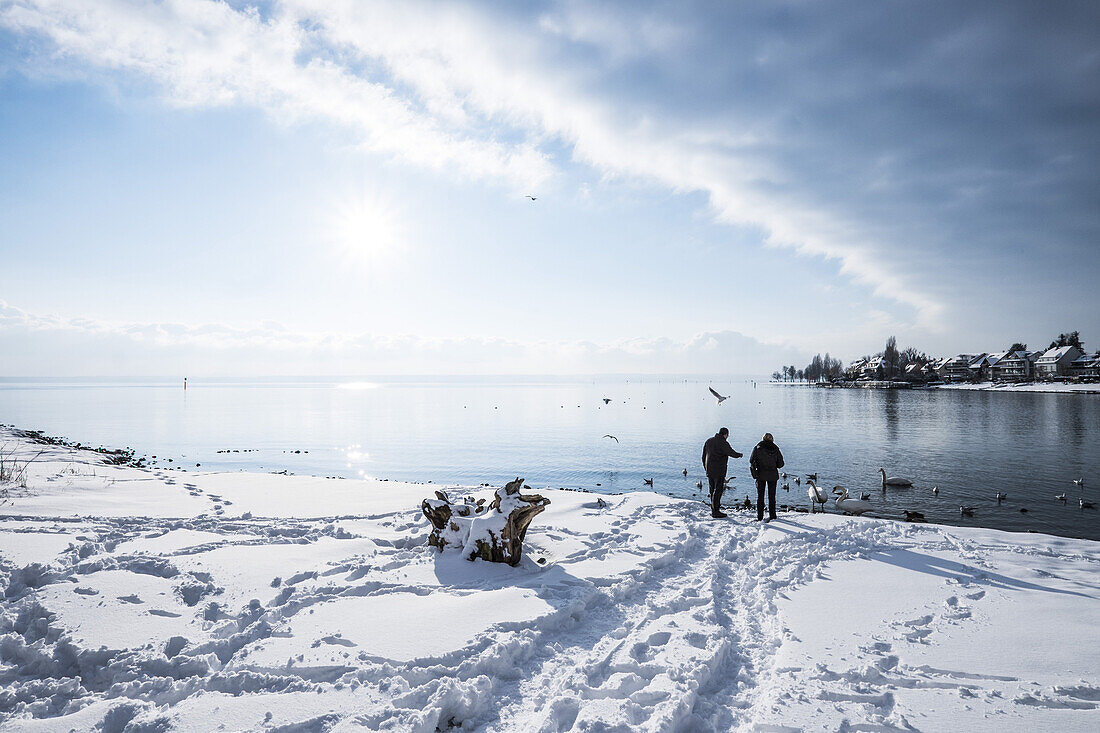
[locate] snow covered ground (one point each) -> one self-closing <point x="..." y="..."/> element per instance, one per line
<point x="153" y="600"/>
<point x="1025" y="387"/>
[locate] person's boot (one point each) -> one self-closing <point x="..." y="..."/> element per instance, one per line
<point x="718" y="514"/>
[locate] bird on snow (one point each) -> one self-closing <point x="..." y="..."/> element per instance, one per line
<point x="717" y="396"/>
<point x="612" y="437"/>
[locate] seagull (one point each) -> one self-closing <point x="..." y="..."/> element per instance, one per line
<point x="719" y="397"/>
<point x="1086" y="504"/>
<point x="607" y="400"/>
<point x="966" y="511"/>
<point x="529" y="196"/>
<point x="612" y="437"/>
<point x="1060" y="497"/>
<point x="647" y="481"/>
<point x="1078" y="482"/>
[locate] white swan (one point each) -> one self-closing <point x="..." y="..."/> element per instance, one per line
<point x="893" y="480"/>
<point x="817" y="496"/>
<point x="848" y="505"/>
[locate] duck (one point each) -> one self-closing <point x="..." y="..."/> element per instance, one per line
<point x="1060" y="497"/>
<point x="865" y="496"/>
<point x="1001" y="496"/>
<point x="786" y="486"/>
<point x="848" y="505"/>
<point x="1086" y="504"/>
<point x="966" y="511"/>
<point x="685" y="472"/>
<point x="914" y="516"/>
<point x="812" y="476"/>
<point x="797" y="481"/>
<point x="698" y="484"/>
<point x="936" y="490"/>
<point x="1078" y="482"/>
<point x="817" y="496"/>
<point x="893" y="480"/>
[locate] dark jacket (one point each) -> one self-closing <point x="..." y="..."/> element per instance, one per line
<point x="716" y="454"/>
<point x="765" y="461"/>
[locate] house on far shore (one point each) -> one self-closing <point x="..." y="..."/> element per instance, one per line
<point x="1055" y="362"/>
<point x="855" y="369"/>
<point x="981" y="369"/>
<point x="957" y="368"/>
<point x="1086" y="366"/>
<point x="1017" y="366"/>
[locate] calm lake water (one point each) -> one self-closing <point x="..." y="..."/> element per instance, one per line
<point x="468" y="431"/>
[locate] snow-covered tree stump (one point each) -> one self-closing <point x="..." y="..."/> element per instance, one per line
<point x="492" y="531"/>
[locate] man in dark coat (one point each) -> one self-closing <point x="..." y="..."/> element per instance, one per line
<point x="764" y="463"/>
<point x="716" y="454"/>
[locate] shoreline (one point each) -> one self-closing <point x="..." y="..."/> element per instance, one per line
<point x="247" y="601"/>
<point x="1034" y="387"/>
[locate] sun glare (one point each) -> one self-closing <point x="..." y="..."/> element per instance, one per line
<point x="368" y="229"/>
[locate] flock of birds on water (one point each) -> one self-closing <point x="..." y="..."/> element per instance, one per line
<point x="849" y="505"/>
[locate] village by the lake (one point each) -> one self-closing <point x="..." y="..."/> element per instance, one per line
<point x="1065" y="366"/>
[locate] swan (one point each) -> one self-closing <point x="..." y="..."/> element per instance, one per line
<point x="848" y="505"/>
<point x="893" y="480"/>
<point x="817" y="496"/>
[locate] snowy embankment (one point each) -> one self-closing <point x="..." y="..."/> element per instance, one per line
<point x="149" y="600"/>
<point x="1084" y="388"/>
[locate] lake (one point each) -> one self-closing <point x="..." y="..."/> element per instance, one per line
<point x="550" y="431"/>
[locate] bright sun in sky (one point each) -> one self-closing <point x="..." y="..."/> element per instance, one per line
<point x="367" y="229"/>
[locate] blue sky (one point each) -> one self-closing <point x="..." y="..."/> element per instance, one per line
<point x="339" y="187"/>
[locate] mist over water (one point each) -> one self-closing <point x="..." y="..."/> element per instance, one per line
<point x="550" y="431"/>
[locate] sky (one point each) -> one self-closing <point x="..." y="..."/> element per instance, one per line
<point x="339" y="187"/>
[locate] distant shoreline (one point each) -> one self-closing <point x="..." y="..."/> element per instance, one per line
<point x="1049" y="388"/>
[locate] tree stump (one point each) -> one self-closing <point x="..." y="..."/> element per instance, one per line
<point x="492" y="531"/>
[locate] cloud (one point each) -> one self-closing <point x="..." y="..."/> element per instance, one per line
<point x="891" y="141"/>
<point x="85" y="347"/>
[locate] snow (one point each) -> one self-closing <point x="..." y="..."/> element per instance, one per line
<point x="1062" y="387"/>
<point x="166" y="600"/>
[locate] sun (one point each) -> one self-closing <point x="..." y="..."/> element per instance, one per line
<point x="368" y="229"/>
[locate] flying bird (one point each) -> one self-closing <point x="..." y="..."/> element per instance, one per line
<point x="530" y="197"/>
<point x="612" y="437"/>
<point x="717" y="396"/>
<point x="607" y="400"/>
<point x="647" y="481"/>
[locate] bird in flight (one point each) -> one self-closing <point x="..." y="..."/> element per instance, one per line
<point x="717" y="396"/>
<point x="612" y="437"/>
<point x="607" y="400"/>
<point x="647" y="481"/>
<point x="530" y="197"/>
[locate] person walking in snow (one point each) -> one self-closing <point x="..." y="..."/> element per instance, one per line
<point x="764" y="463"/>
<point x="716" y="454"/>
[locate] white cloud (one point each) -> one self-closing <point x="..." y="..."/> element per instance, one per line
<point x="27" y="341"/>
<point x="448" y="86"/>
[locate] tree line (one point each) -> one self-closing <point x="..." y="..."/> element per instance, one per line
<point x="894" y="361"/>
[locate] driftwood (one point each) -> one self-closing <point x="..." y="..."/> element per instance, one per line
<point x="493" y="531"/>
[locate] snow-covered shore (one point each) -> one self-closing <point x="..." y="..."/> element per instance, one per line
<point x="1062" y="387"/>
<point x="150" y="600"/>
